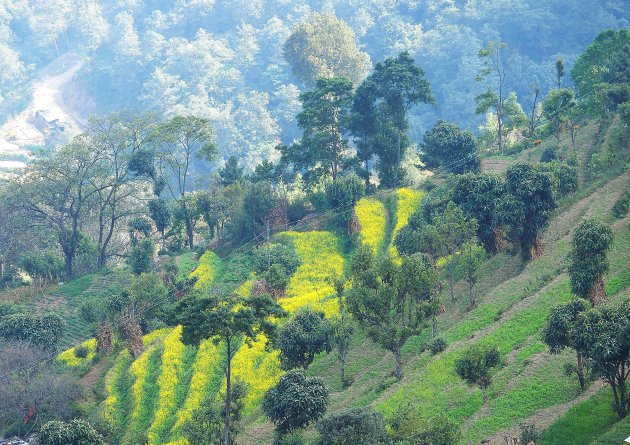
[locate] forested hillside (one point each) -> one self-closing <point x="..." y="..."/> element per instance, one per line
<point x="225" y="60"/>
<point x="351" y="223"/>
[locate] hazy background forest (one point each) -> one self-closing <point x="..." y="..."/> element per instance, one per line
<point x="223" y="59"/>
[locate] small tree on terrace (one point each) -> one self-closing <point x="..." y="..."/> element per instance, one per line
<point x="353" y="426"/>
<point x="589" y="261"/>
<point x="558" y="334"/>
<point x="494" y="67"/>
<point x="342" y="329"/>
<point x="527" y="207"/>
<point x="602" y="336"/>
<point x="276" y="263"/>
<point x="185" y="141"/>
<point x="471" y="257"/>
<point x="447" y="146"/>
<point x="557" y="107"/>
<point x="161" y="216"/>
<point x="295" y="402"/>
<point x="139" y="302"/>
<point x="476" y="365"/>
<point x="393" y="302"/>
<point x="307" y="334"/>
<point x="227" y="319"/>
<point x="323" y="150"/>
<point x="449" y="231"/>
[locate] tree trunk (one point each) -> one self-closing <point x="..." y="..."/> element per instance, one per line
<point x="68" y="257"/>
<point x="399" y="365"/>
<point x="228" y="394"/>
<point x="484" y="387"/>
<point x="580" y="371"/>
<point x="451" y="276"/>
<point x="342" y="361"/>
<point x="597" y="293"/>
<point x="471" y="294"/>
<point x="500" y="131"/>
<point x="189" y="231"/>
<point x="104" y="337"/>
<point x="433" y="327"/>
<point x="133" y="335"/>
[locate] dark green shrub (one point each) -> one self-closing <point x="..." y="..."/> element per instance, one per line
<point x="75" y="432"/>
<point x="140" y="257"/>
<point x="530" y="434"/>
<point x="81" y="351"/>
<point x="307" y="334"/>
<point x="355" y="426"/>
<point x="548" y="155"/>
<point x="89" y="311"/>
<point x="296" y="401"/>
<point x="437" y="345"/>
<point x="620" y="209"/>
<point x="343" y="193"/>
<point x="40" y="330"/>
<point x="7" y="308"/>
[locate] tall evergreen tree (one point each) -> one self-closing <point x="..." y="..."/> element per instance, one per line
<point x="381" y="107"/>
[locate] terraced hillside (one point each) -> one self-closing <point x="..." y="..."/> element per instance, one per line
<point x="151" y="398"/>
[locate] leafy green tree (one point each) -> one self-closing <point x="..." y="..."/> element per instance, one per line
<point x="324" y="119"/>
<point x="594" y="67"/>
<point x="353" y="426"/>
<point x="258" y="203"/>
<point x="527" y="206"/>
<point x="185" y="140"/>
<point x="494" y="67"/>
<point x="476" y="364"/>
<point x="57" y="193"/>
<point x="206" y="424"/>
<point x="381" y="107"/>
<point x="602" y="336"/>
<point x="391" y="301"/>
<point x="75" y="432"/>
<point x="304" y="336"/>
<point x="563" y="177"/>
<point x="447" y="146"/>
<point x="471" y="257"/>
<point x="43" y="266"/>
<point x="161" y="216"/>
<point x="448" y="233"/>
<point x="140" y="257"/>
<point x="140" y="301"/>
<point x="226" y="319"/>
<point x="325" y="47"/>
<point x="588" y="259"/>
<point x="479" y="195"/>
<point x="342" y="194"/>
<point x="219" y="206"/>
<point x="276" y="263"/>
<point x="231" y="172"/>
<point x="557" y="107"/>
<point x="560" y="70"/>
<point x="342" y="329"/>
<point x="558" y="334"/>
<point x="295" y="402"/>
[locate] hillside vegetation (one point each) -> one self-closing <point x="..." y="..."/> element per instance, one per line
<point x="356" y="286"/>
